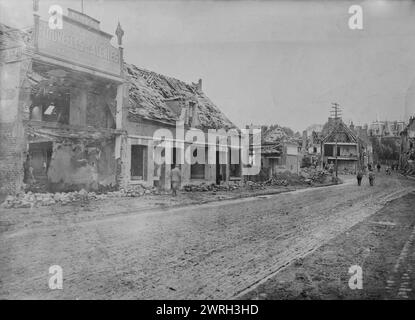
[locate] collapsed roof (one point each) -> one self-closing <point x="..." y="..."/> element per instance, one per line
<point x="12" y="37"/>
<point x="274" y="139"/>
<point x="277" y="134"/>
<point x="150" y="91"/>
<point x="338" y="130"/>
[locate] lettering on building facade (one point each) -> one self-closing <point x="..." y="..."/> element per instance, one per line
<point x="79" y="45"/>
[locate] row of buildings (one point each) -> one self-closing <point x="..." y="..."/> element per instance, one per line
<point x="407" y="148"/>
<point x="355" y="144"/>
<point x="336" y="142"/>
<point x="74" y="114"/>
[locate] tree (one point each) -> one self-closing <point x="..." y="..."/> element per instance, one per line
<point x="385" y="149"/>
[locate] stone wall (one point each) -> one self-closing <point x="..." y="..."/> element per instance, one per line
<point x="11" y="158"/>
<point x="13" y="102"/>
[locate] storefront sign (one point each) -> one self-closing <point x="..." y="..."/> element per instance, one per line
<point x="80" y="45"/>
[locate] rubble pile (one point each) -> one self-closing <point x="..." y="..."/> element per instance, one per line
<point x="31" y="199"/>
<point x="286" y="178"/>
<point x="315" y="175"/>
<point x="136" y="191"/>
<point x="253" y="185"/>
<point x="274" y="181"/>
<point x="210" y="187"/>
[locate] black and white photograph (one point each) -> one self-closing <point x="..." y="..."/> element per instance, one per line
<point x="234" y="151"/>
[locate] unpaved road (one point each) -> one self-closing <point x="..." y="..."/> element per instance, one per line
<point x="216" y="250"/>
<point x="382" y="246"/>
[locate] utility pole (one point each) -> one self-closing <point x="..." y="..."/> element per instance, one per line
<point x="336" y="112"/>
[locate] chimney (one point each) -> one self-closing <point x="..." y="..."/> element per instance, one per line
<point x="199" y="84"/>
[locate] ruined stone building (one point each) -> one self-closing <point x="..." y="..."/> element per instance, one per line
<point x="160" y="102"/>
<point x="74" y="115"/>
<point x="61" y="123"/>
<point x="279" y="152"/>
<point x="407" y="149"/>
<point x="342" y="143"/>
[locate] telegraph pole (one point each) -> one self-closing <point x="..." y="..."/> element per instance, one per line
<point x="336" y="112"/>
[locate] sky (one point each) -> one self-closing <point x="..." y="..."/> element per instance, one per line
<point x="267" y="62"/>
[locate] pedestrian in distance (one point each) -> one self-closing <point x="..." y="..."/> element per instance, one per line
<point x="176" y="178"/>
<point x="371" y="178"/>
<point x="378" y="167"/>
<point x="359" y="177"/>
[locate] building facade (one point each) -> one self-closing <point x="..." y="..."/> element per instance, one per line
<point x="343" y="146"/>
<point x="279" y="153"/>
<point x="407" y="149"/>
<point x="386" y="128"/>
<point x="161" y="106"/>
<point x="61" y="127"/>
<point x="75" y="115"/>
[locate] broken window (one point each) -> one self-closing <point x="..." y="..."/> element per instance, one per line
<point x="36" y="166"/>
<point x="51" y="105"/>
<point x="138" y="162"/>
<point x="328" y="150"/>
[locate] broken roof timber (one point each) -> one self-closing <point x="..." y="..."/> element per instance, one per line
<point x="149" y="92"/>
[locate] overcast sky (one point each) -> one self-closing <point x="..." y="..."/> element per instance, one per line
<point x="267" y="62"/>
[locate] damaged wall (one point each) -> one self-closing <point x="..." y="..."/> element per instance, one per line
<point x="14" y="97"/>
<point x="82" y="165"/>
<point x="98" y="113"/>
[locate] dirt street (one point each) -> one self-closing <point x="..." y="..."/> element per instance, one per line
<point x="382" y="245"/>
<point x="215" y="250"/>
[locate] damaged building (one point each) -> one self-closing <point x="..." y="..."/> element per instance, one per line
<point x="279" y="152"/>
<point x="343" y="145"/>
<point x="407" y="148"/>
<point x="74" y="115"/>
<point x="160" y="102"/>
<point x="61" y="124"/>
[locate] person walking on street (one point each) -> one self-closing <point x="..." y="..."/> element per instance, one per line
<point x="176" y="178"/>
<point x="371" y="178"/>
<point x="378" y="166"/>
<point x="359" y="177"/>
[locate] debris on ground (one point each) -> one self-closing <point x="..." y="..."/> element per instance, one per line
<point x="211" y="187"/>
<point x="31" y="199"/>
<point x="307" y="177"/>
<point x="315" y="175"/>
<point x="34" y="199"/>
